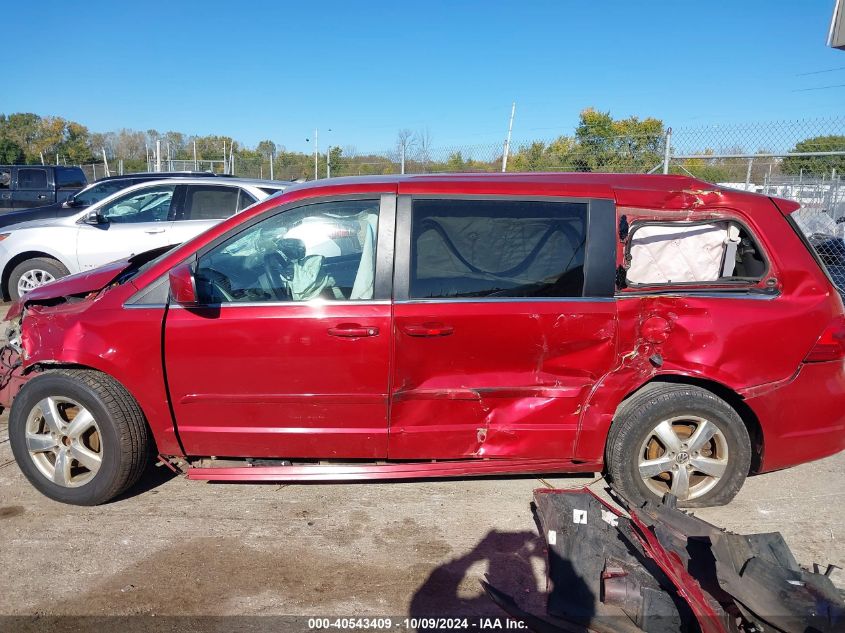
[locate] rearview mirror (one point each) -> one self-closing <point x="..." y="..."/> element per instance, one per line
<point x="183" y="288"/>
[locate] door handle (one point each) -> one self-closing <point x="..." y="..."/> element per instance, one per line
<point x="430" y="328"/>
<point x="154" y="231"/>
<point x="353" y="330"/>
<point x="42" y="197"/>
<point x="5" y="196"/>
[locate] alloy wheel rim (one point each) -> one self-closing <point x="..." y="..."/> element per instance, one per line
<point x="685" y="455"/>
<point x="32" y="279"/>
<point x="64" y="441"/>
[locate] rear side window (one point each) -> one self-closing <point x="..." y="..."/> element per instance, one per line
<point x="497" y="248"/>
<point x="210" y="203"/>
<point x="69" y="178"/>
<point x="32" y="178"/>
<point x="692" y="253"/>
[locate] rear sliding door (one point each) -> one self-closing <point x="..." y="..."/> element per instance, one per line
<point x="504" y="320"/>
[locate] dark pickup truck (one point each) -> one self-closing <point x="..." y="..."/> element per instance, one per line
<point x="27" y="186"/>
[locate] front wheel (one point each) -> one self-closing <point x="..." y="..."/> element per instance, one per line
<point x="32" y="273"/>
<point x="78" y="436"/>
<point x="680" y="439"/>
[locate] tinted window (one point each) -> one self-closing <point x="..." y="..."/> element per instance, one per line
<point x="32" y="178"/>
<point x="318" y="251"/>
<point x="100" y="191"/>
<point x="5" y="178"/>
<point x="151" y="204"/>
<point x="245" y="200"/>
<point x="70" y="178"/>
<point x="497" y="248"/>
<point x="210" y="202"/>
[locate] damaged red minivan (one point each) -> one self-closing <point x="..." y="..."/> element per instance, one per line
<point x="670" y="333"/>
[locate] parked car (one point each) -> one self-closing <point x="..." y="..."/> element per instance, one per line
<point x="93" y="193"/>
<point x="134" y="220"/>
<point x="672" y="334"/>
<point x="25" y="186"/>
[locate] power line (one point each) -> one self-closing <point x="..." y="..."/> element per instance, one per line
<point x="819" y="88"/>
<point x="818" y="72"/>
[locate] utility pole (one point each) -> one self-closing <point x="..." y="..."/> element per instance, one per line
<point x="224" y="157"/>
<point x="158" y="155"/>
<point x="272" y="156"/>
<point x="329" y="161"/>
<point x="196" y="166"/>
<point x="316" y="175"/>
<point x="106" y="162"/>
<point x="508" y="139"/>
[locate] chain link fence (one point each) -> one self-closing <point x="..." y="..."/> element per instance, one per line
<point x="801" y="160"/>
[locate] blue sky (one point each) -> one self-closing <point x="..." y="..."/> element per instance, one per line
<point x="277" y="70"/>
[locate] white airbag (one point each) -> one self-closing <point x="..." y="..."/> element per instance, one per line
<point x="677" y="254"/>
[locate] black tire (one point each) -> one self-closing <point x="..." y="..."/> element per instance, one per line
<point x="123" y="433"/>
<point x="47" y="264"/>
<point x="656" y="402"/>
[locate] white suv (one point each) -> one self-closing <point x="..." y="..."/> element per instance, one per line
<point x="131" y="221"/>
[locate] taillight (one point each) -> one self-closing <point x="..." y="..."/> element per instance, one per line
<point x="831" y="344"/>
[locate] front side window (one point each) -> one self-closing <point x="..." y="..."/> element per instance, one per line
<point x="145" y="205"/>
<point x="209" y="202"/>
<point x="100" y="191"/>
<point x="497" y="248"/>
<point x="5" y="178"/>
<point x="32" y="178"/>
<point x="318" y="251"/>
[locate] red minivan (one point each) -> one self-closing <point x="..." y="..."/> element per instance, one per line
<point x="668" y="332"/>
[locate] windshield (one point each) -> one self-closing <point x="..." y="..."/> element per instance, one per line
<point x="98" y="191"/>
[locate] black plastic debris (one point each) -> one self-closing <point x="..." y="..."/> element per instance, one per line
<point x="661" y="570"/>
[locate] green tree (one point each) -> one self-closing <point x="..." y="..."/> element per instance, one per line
<point x="816" y="165"/>
<point x="335" y="159"/>
<point x="10" y="152"/>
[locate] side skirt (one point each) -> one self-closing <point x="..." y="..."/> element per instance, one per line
<point x="400" y="470"/>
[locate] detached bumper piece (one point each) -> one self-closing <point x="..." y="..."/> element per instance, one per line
<point x="663" y="570"/>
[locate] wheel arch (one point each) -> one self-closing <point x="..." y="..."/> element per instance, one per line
<point x="731" y="397"/>
<point x="22" y="257"/>
<point x="41" y="367"/>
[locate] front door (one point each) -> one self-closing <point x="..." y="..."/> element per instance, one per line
<point x="136" y="222"/>
<point x="504" y="322"/>
<point x="5" y="189"/>
<point x="289" y="353"/>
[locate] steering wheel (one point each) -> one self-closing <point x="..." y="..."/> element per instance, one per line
<point x="276" y="267"/>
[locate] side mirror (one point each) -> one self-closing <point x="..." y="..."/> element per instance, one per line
<point x="183" y="288"/>
<point x="95" y="219"/>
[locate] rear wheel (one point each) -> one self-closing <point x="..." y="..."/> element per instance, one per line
<point x="32" y="273"/>
<point x="78" y="436"/>
<point x="680" y="439"/>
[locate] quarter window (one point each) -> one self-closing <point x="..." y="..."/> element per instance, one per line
<point x="692" y="253"/>
<point x="32" y="178"/>
<point x="318" y="251"/>
<point x="145" y="205"/>
<point x="497" y="248"/>
<point x="209" y="202"/>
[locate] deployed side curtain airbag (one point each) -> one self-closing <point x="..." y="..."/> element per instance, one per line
<point x="662" y="254"/>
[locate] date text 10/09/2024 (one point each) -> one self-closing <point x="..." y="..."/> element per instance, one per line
<point x="412" y="624"/>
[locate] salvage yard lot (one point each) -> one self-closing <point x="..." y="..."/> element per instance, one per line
<point x="179" y="547"/>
